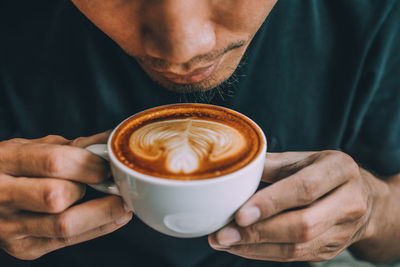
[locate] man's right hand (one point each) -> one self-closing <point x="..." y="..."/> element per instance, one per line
<point x="40" y="180"/>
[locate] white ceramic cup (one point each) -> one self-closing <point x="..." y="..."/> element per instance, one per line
<point x="182" y="208"/>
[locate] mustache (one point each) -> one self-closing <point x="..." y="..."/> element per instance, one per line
<point x="158" y="63"/>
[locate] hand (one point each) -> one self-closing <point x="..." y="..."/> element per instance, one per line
<point x="318" y="204"/>
<point x="40" y="180"/>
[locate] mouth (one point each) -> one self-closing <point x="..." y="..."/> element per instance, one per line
<point x="194" y="76"/>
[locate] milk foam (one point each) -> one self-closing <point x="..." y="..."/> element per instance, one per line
<point x="184" y="144"/>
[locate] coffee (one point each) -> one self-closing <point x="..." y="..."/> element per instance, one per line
<point x="187" y="142"/>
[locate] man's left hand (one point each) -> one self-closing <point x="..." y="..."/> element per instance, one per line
<point x="318" y="204"/>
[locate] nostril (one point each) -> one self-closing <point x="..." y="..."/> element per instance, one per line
<point x="179" y="44"/>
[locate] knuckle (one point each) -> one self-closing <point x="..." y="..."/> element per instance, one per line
<point x="54" y="196"/>
<point x="345" y="163"/>
<point x="299" y="250"/>
<point x="63" y="226"/>
<point x="77" y="141"/>
<point x="113" y="210"/>
<point x="308" y="191"/>
<point x="361" y="208"/>
<point x="331" y="153"/>
<point x="54" y="138"/>
<point x="253" y="234"/>
<point x="351" y="167"/>
<point x="305" y="231"/>
<point x="358" y="210"/>
<point x="53" y="162"/>
<point x="291" y="251"/>
<point x="268" y="204"/>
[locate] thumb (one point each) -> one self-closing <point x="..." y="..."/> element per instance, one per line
<point x="281" y="165"/>
<point x="82" y="142"/>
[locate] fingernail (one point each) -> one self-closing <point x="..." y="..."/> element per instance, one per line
<point x="123" y="219"/>
<point x="228" y="236"/>
<point x="126" y="207"/>
<point x="216" y="246"/>
<point x="249" y="215"/>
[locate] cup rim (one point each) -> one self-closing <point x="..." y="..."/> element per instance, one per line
<point x="175" y="182"/>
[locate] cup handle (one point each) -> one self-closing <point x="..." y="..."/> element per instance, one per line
<point x="109" y="186"/>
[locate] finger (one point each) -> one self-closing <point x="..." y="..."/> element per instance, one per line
<point x="76" y="220"/>
<point x="51" y="139"/>
<point x="53" y="161"/>
<point x="289" y="227"/>
<point x="297" y="190"/>
<point x="322" y="248"/>
<point x="270" y="252"/>
<point x="302" y="225"/>
<point x="83" y="142"/>
<point x="281" y="165"/>
<point x="32" y="248"/>
<point x="39" y="194"/>
<point x="282" y="252"/>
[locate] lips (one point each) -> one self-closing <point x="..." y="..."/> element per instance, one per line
<point x="195" y="76"/>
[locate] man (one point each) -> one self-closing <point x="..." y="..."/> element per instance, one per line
<point x="318" y="76"/>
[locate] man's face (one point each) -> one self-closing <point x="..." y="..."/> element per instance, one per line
<point x="185" y="45"/>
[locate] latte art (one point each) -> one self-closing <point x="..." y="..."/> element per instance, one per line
<point x="187" y="142"/>
<point x="184" y="144"/>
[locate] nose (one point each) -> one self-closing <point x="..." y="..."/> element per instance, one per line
<point x="177" y="31"/>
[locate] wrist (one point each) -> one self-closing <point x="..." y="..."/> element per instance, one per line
<point x="379" y="200"/>
<point x="371" y="243"/>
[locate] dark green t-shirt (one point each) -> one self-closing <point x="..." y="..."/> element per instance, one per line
<point x="320" y="74"/>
